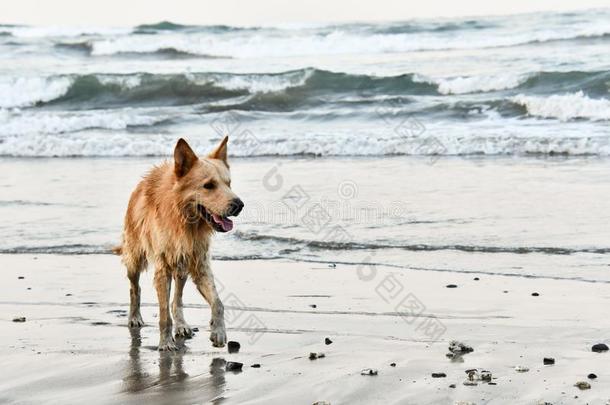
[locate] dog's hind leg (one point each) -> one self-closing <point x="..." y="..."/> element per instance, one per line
<point x="163" y="285"/>
<point x="204" y="280"/>
<point x="134" y="267"/>
<point x="182" y="328"/>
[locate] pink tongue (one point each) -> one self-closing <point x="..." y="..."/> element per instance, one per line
<point x="225" y="223"/>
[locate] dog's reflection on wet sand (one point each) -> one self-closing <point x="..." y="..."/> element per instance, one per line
<point x="172" y="381"/>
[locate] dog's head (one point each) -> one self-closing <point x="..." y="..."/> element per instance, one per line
<point x="204" y="186"/>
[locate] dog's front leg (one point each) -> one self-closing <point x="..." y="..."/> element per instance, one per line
<point x="163" y="284"/>
<point x="182" y="328"/>
<point x="204" y="280"/>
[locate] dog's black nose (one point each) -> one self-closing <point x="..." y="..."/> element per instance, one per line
<point x="235" y="207"/>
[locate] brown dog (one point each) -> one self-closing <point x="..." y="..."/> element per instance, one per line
<point x="170" y="219"/>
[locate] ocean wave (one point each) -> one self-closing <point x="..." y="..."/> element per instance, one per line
<point x="165" y="26"/>
<point x="333" y="245"/>
<point x="335" y="40"/>
<point x="487" y="137"/>
<point x="565" y="107"/>
<point x="29" y="91"/>
<point x="44" y="122"/>
<point x="68" y="249"/>
<point x="24" y="31"/>
<point x="102" y="90"/>
<point x="476" y="84"/>
<point x="86" y="47"/>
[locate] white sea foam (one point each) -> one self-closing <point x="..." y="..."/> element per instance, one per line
<point x="63" y="31"/>
<point x="476" y="84"/>
<point x="566" y="107"/>
<point x="17" y="123"/>
<point x="340" y="40"/>
<point x="27" y="91"/>
<point x="263" y="83"/>
<point x="513" y="137"/>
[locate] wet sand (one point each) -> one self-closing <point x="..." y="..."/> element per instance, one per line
<point x="75" y="346"/>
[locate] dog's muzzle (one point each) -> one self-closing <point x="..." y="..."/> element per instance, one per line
<point x="235" y="207"/>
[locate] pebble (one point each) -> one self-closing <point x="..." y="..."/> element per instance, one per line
<point x="535" y="294"/>
<point x="459" y="347"/>
<point x="313" y="305"/>
<point x="452" y="386"/>
<point x="314" y="356"/>
<point x="592" y="376"/>
<point x="332" y="265"/>
<point x="476" y="279"/>
<point x="600" y="347"/>
<point x="548" y="361"/>
<point x="327" y="341"/>
<point x="19" y="319"/>
<point x="256" y="365"/>
<point x="439" y="375"/>
<point x="583" y="385"/>
<point x="521" y="369"/>
<point x="392" y="364"/>
<point x="368" y="371"/>
<point x="233" y="346"/>
<point x="234" y="366"/>
<point x="20" y="277"/>
<point x="451" y="286"/>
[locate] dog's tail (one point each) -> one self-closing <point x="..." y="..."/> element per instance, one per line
<point x="118" y="250"/>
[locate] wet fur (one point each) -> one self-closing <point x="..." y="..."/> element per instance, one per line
<point x="164" y="227"/>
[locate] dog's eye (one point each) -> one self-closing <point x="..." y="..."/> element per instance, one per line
<point x="209" y="186"/>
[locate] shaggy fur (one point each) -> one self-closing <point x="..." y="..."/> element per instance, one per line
<point x="170" y="219"/>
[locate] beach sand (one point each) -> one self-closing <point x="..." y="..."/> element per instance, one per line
<point x="75" y="346"/>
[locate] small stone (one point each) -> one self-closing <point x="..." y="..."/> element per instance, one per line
<point x="233" y="346"/>
<point x="600" y="347"/>
<point x="476" y="279"/>
<point x="19" y="319"/>
<point x="20" y="278"/>
<point x="548" y="361"/>
<point x="452" y="386"/>
<point x="392" y="364"/>
<point x="234" y="366"/>
<point x="256" y="365"/>
<point x="451" y="286"/>
<point x="505" y="291"/>
<point x="368" y="371"/>
<point x="332" y="265"/>
<point x="521" y="369"/>
<point x="314" y="356"/>
<point x="439" y="375"/>
<point x="535" y="294"/>
<point x="592" y="376"/>
<point x="313" y="305"/>
<point x="68" y="295"/>
<point x="327" y="341"/>
<point x="459" y="347"/>
<point x="583" y="385"/>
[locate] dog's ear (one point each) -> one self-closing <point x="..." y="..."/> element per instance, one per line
<point x="184" y="158"/>
<point x="220" y="152"/>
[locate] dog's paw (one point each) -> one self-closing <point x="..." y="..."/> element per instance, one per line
<point x="184" y="331"/>
<point x="168" y="345"/>
<point x="135" y="322"/>
<point x="218" y="336"/>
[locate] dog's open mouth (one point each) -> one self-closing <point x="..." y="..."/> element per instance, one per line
<point x="219" y="223"/>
